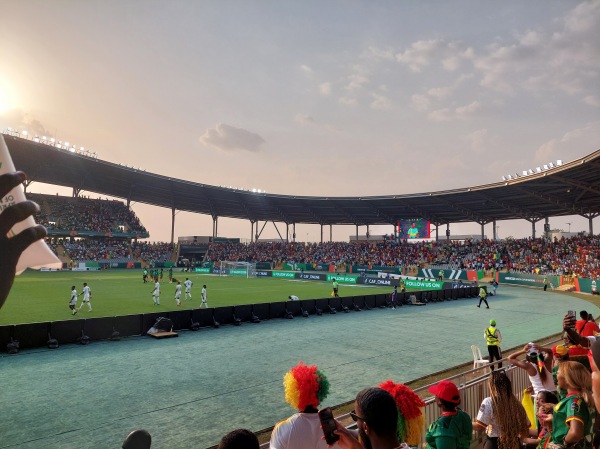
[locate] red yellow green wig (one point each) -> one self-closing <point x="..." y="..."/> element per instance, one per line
<point x="410" y="417"/>
<point x="305" y="386"/>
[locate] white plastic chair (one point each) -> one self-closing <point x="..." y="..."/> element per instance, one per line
<point x="477" y="357"/>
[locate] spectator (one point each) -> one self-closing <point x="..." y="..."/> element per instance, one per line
<point x="305" y="388"/>
<point x="453" y="430"/>
<point x="411" y="420"/>
<point x="376" y="417"/>
<point x="501" y="415"/>
<point x="572" y="418"/>
<point x="538" y="364"/>
<point x="239" y="439"/>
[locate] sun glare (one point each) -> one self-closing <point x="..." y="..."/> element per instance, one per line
<point x="8" y="97"/>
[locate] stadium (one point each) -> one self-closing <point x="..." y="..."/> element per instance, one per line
<point x="230" y="357"/>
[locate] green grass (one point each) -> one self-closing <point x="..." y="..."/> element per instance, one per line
<point x="44" y="296"/>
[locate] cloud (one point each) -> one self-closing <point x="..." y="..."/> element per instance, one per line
<point x="381" y="102"/>
<point x="420" y="102"/>
<point x="478" y="139"/>
<point x="458" y="113"/>
<point x="347" y="101"/>
<point x="592" y="100"/>
<point x="423" y="53"/>
<point x="356" y="81"/>
<point x="304" y="119"/>
<point x="382" y="53"/>
<point x="229" y="138"/>
<point x="19" y="119"/>
<point x="325" y="88"/>
<point x="547" y="151"/>
<point x="566" y="59"/>
<point x="440" y="92"/>
<point x="307" y="70"/>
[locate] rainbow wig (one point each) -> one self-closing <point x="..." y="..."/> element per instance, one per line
<point x="305" y="386"/>
<point x="410" y="417"/>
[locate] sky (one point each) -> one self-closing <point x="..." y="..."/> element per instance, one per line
<point x="324" y="98"/>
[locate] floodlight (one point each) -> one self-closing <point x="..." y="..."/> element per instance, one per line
<point x="59" y="146"/>
<point x="538" y="170"/>
<point x="558" y="162"/>
<point x="24" y="132"/>
<point x="72" y="150"/>
<point x="36" y="139"/>
<point x="66" y="144"/>
<point x="550" y="164"/>
<point x="530" y="172"/>
<point x="52" y="139"/>
<point x="504" y="178"/>
<point x="545" y="167"/>
<point x="524" y="172"/>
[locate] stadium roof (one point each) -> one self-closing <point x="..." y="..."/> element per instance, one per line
<point x="572" y="188"/>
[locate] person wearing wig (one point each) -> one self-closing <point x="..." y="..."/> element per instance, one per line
<point x="305" y="388"/>
<point x="501" y="415"/>
<point x="410" y="417"/>
<point x="573" y="416"/>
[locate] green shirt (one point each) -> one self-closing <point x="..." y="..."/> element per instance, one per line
<point x="573" y="407"/>
<point x="450" y="431"/>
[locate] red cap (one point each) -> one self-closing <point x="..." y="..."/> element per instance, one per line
<point x="446" y="390"/>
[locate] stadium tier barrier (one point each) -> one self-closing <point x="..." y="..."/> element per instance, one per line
<point x="35" y="335"/>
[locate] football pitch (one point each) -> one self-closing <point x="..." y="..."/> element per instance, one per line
<point x="44" y="296"/>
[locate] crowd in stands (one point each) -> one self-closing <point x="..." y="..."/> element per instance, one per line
<point x="577" y="256"/>
<point x="152" y="252"/>
<point x="112" y="249"/>
<point x="88" y="249"/>
<point x="85" y="214"/>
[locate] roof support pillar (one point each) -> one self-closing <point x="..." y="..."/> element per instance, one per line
<point x="287" y="232"/>
<point x="331" y="233"/>
<point x="547" y="228"/>
<point x="448" y="232"/>
<point x="395" y="232"/>
<point x="437" y="232"/>
<point x="251" y="231"/>
<point x="172" y="224"/>
<point x="482" y="230"/>
<point x="590" y="218"/>
<point x="357" y="233"/>
<point x="494" y="230"/>
<point x="294" y="232"/>
<point x="321" y="233"/>
<point x="215" y="226"/>
<point x="368" y="234"/>
<point x="533" y="222"/>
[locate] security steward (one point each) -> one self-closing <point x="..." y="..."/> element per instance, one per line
<point x="493" y="338"/>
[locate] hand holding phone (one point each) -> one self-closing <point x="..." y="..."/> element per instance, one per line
<point x="328" y="425"/>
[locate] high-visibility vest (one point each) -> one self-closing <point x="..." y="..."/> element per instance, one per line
<point x="490" y="337"/>
<point x="482" y="292"/>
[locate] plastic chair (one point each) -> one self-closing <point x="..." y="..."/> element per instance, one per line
<point x="477" y="357"/>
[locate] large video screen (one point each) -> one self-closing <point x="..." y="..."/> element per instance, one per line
<point x="413" y="228"/>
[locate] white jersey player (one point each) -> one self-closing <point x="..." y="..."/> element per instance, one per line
<point x="73" y="301"/>
<point x="156" y="294"/>
<point x="188" y="288"/>
<point x="87" y="295"/>
<point x="178" y="293"/>
<point x="203" y="294"/>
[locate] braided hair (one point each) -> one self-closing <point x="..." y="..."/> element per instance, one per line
<point x="508" y="411"/>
